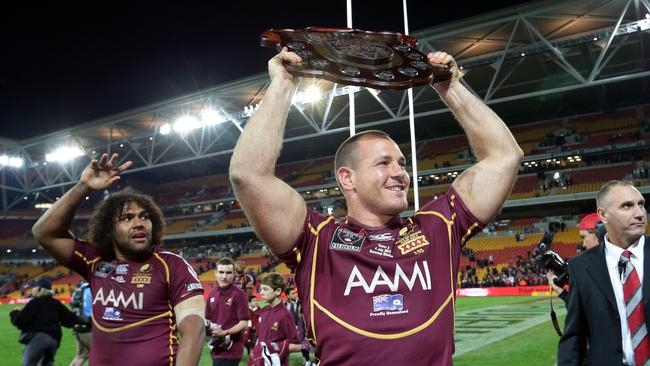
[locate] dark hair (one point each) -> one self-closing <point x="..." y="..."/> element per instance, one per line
<point x="103" y="220"/>
<point x="274" y="281"/>
<point x="288" y="290"/>
<point x="604" y="190"/>
<point x="226" y="261"/>
<point x="345" y="154"/>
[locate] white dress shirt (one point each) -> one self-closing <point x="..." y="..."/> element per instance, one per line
<point x="613" y="255"/>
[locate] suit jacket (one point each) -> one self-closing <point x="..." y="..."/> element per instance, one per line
<point x="592" y="315"/>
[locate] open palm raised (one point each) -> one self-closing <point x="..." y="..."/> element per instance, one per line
<point x="101" y="174"/>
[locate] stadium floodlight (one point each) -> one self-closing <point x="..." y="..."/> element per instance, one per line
<point x="165" y="129"/>
<point x="312" y="94"/>
<point x="309" y="95"/>
<point x="64" y="153"/>
<point x="43" y="205"/>
<point x="12" y="161"/>
<point x="186" y="124"/>
<point x="210" y="117"/>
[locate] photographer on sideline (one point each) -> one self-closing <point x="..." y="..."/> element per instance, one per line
<point x="590" y="240"/>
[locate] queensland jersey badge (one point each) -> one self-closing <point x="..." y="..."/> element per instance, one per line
<point x="347" y="240"/>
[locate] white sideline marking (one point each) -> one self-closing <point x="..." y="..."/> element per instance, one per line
<point x="479" y="327"/>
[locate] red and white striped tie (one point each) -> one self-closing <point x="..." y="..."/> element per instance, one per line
<point x="633" y="296"/>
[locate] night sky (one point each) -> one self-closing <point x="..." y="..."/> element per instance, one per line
<point x="63" y="64"/>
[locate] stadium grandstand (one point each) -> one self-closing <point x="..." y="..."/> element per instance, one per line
<point x="570" y="78"/>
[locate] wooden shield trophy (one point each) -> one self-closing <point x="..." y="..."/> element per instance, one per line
<point x="378" y="60"/>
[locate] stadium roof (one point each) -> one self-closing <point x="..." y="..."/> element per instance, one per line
<point x="531" y="62"/>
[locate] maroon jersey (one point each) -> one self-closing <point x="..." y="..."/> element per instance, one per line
<point x="240" y="280"/>
<point x="227" y="307"/>
<point x="368" y="292"/>
<point x="133" y="317"/>
<point x="275" y="324"/>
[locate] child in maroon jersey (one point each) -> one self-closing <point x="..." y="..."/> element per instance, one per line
<point x="276" y="331"/>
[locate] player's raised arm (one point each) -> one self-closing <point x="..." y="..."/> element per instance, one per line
<point x="485" y="186"/>
<point x="52" y="228"/>
<point x="275" y="210"/>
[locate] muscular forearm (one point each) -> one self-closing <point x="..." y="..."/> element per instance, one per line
<point x="191" y="345"/>
<point x="56" y="221"/>
<point x="487" y="134"/>
<point x="259" y="146"/>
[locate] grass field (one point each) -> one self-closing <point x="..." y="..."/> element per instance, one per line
<point x="490" y="331"/>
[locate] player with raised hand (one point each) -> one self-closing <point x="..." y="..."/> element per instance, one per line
<point x="142" y="295"/>
<point x="374" y="281"/>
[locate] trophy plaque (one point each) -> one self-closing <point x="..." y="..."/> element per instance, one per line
<point x="378" y="60"/>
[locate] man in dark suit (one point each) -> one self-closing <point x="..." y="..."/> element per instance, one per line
<point x="609" y="300"/>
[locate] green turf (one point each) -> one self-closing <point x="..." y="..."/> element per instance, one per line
<point x="534" y="346"/>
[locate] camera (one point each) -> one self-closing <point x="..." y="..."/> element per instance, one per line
<point x="552" y="261"/>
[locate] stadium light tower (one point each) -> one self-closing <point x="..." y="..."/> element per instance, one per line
<point x="12" y="161"/>
<point x="186" y="124"/>
<point x="64" y="154"/>
<point x="210" y="117"/>
<point x="309" y="95"/>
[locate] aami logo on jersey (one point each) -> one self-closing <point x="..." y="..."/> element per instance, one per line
<point x="347" y="240"/>
<point x="133" y="300"/>
<point x="419" y="274"/>
<point x="411" y="242"/>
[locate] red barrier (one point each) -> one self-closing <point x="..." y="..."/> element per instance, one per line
<point x="504" y="291"/>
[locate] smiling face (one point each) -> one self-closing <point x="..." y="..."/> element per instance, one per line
<point x="132" y="232"/>
<point x="376" y="183"/>
<point x="624" y="215"/>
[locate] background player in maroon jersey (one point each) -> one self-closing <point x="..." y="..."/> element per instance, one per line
<point x="228" y="314"/>
<point x="276" y="331"/>
<point x="126" y="270"/>
<point x="241" y="279"/>
<point x="371" y="172"/>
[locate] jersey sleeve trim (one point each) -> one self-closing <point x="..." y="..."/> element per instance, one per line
<point x="85" y="259"/>
<point x="165" y="266"/>
<point x="469" y="232"/>
<point x="298" y="255"/>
